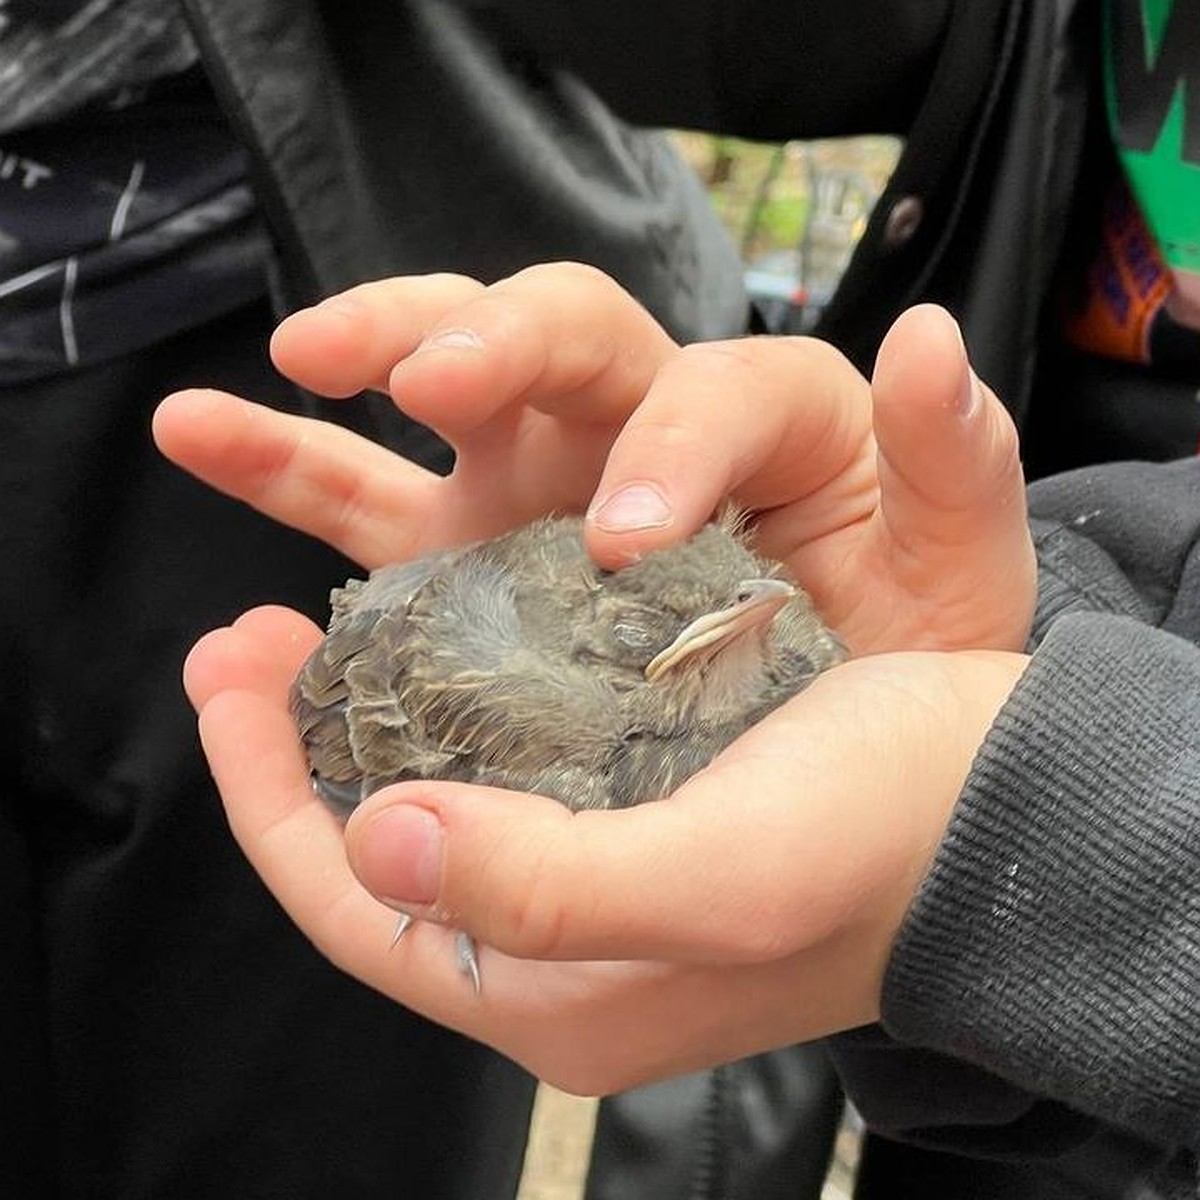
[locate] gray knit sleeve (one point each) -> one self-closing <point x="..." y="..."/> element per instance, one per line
<point x="1056" y="941"/>
<point x="1043" y="994"/>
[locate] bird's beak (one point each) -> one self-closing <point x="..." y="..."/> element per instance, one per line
<point x="758" y="602"/>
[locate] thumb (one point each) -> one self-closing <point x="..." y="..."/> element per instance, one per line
<point x="952" y="491"/>
<point x="523" y="875"/>
<point x="815" y="831"/>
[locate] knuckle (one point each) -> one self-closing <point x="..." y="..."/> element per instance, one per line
<point x="778" y="368"/>
<point x="661" y="432"/>
<point x="531" y="916"/>
<point x="1004" y="451"/>
<point x="1008" y="442"/>
<point x="565" y="273"/>
<point x="451" y="280"/>
<point x="347" y="514"/>
<point x="581" y="273"/>
<point x="734" y="357"/>
<point x="571" y="1057"/>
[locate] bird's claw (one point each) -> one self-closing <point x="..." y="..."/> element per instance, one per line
<point x="403" y="922"/>
<point x="468" y="960"/>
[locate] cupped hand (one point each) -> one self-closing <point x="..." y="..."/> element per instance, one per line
<point x="757" y="905"/>
<point x="898" y="503"/>
<point x="754" y="908"/>
<point x="528" y="380"/>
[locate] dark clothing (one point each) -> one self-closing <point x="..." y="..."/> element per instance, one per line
<point x="125" y="213"/>
<point x="133" y="234"/>
<point x="60" y="56"/>
<point x="762" y="1128"/>
<point x="381" y="139"/>
<point x="166" y="1031"/>
<point x="991" y="99"/>
<point x="465" y="153"/>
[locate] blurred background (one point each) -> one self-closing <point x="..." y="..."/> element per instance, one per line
<point x="795" y="210"/>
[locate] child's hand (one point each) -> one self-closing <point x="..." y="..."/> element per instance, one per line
<point x="724" y="925"/>
<point x="898" y="504"/>
<point x="756" y="907"/>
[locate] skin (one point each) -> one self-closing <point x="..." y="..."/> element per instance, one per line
<point x="757" y="905"/>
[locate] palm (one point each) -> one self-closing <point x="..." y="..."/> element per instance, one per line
<point x="599" y="974"/>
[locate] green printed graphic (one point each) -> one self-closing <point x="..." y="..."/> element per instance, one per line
<point x="1152" y="77"/>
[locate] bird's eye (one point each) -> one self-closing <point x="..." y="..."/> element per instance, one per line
<point x="744" y="594"/>
<point x="636" y="637"/>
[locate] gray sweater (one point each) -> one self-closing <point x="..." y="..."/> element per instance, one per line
<point x="1044" y="991"/>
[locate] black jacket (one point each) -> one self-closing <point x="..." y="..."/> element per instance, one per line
<point x="469" y="144"/>
<point x="355" y="164"/>
<point x="397" y="138"/>
<point x="988" y="95"/>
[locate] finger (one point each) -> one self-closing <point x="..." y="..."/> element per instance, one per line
<point x="768" y="421"/>
<point x="561" y="337"/>
<point x="372" y="505"/>
<point x="533" y="881"/>
<point x="694" y="878"/>
<point x="952" y="489"/>
<point x="363" y="500"/>
<point x="261" y="651"/>
<point x="351" y="341"/>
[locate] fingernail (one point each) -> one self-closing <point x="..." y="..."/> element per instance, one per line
<point x="970" y="394"/>
<point x="339" y="306"/>
<point x="196" y="404"/>
<point x="399" y="855"/>
<point x="635" y="506"/>
<point x="451" y="339"/>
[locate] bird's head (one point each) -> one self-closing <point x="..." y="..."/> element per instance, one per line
<point x="694" y="627"/>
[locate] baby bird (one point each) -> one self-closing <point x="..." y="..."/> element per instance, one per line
<point x="519" y="663"/>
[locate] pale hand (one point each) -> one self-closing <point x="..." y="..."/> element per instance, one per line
<point x="754" y="908"/>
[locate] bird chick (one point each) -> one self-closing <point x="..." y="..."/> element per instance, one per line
<point x="519" y="663"/>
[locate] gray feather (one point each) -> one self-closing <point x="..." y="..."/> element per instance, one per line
<point x="518" y="663"/>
